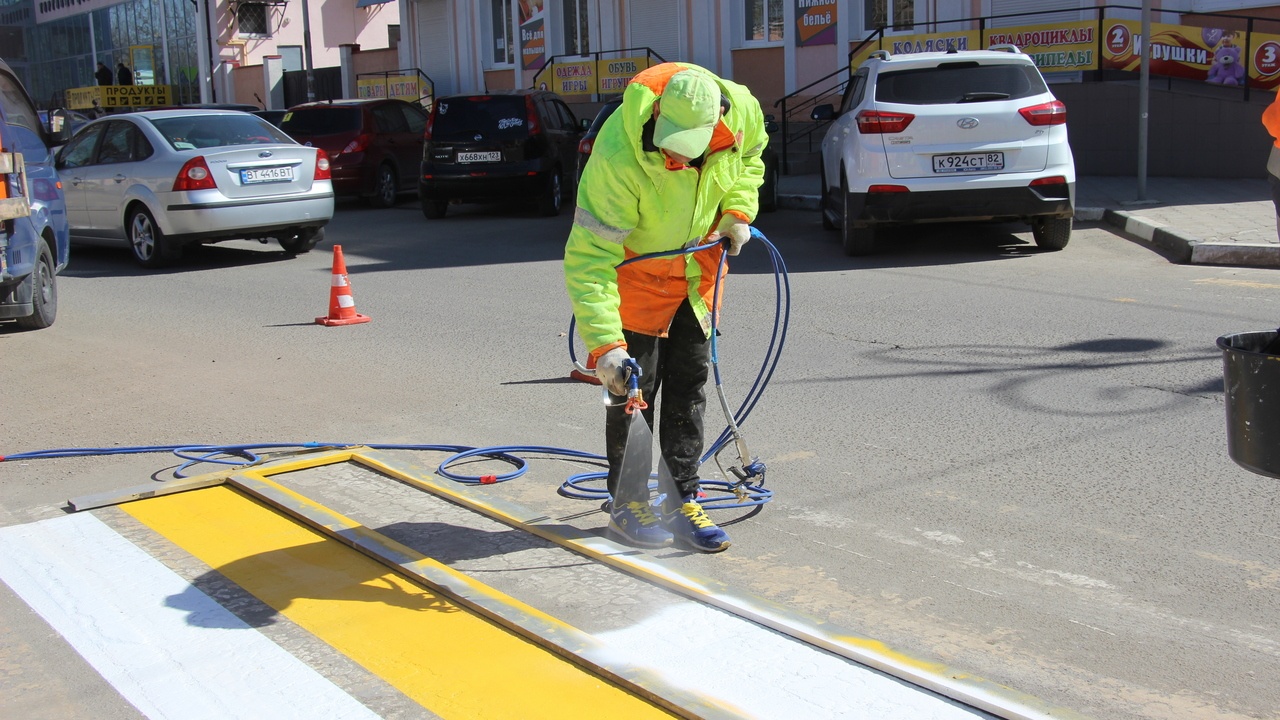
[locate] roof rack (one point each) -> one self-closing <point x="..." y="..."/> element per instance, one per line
<point x="1006" y="47"/>
<point x="880" y="54"/>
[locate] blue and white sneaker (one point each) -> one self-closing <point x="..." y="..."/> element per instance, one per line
<point x="635" y="524"/>
<point x="692" y="529"/>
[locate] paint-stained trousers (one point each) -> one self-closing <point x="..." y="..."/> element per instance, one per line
<point x="677" y="367"/>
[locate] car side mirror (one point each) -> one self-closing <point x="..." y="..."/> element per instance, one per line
<point x="59" y="127"/>
<point x="770" y="126"/>
<point x="823" y="112"/>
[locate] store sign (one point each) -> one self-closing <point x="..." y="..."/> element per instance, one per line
<point x="47" y="10"/>
<point x="1055" y="47"/>
<point x="816" y="22"/>
<point x="613" y="75"/>
<point x="924" y="42"/>
<point x="1176" y="50"/>
<point x="533" y="41"/>
<point x="119" y="96"/>
<point x="1264" y="63"/>
<point x="574" y="78"/>
<point x="409" y="88"/>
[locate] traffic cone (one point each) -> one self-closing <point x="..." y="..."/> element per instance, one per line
<point x="342" y="304"/>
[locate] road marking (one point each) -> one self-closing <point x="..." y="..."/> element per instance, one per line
<point x="1237" y="283"/>
<point x="166" y="647"/>
<point x="454" y="663"/>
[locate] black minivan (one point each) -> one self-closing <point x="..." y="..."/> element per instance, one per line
<point x="509" y="144"/>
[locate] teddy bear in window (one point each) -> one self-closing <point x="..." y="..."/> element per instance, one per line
<point x="1226" y="69"/>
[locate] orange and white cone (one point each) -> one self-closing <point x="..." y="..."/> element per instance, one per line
<point x="342" y="304"/>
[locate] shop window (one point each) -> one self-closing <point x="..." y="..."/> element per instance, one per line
<point x="253" y="19"/>
<point x="577" y="28"/>
<point x="900" y="14"/>
<point x="502" y="51"/>
<point x="764" y="21"/>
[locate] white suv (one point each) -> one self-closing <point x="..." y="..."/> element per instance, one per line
<point x="947" y="136"/>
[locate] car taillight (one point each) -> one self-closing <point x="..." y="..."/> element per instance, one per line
<point x="1050" y="113"/>
<point x="878" y="121"/>
<point x="1051" y="180"/>
<point x="888" y="189"/>
<point x="532" y="112"/>
<point x="194" y="175"/>
<point x="359" y="144"/>
<point x="431" y="123"/>
<point x="584" y="146"/>
<point x="46" y="190"/>
<point x="322" y="165"/>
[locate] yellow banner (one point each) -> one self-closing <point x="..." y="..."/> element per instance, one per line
<point x="613" y="75"/>
<point x="1056" y="47"/>
<point x="409" y="88"/>
<point x="574" y="78"/>
<point x="924" y="42"/>
<point x="119" y="96"/>
<point x="1264" y="70"/>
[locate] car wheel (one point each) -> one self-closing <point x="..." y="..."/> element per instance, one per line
<point x="384" y="187"/>
<point x="1051" y="233"/>
<point x="857" y="240"/>
<point x="552" y="196"/>
<point x="434" y="209"/>
<point x="823" y="200"/>
<point x="149" y="245"/>
<point x="44" y="293"/>
<point x="769" y="190"/>
<point x="301" y="241"/>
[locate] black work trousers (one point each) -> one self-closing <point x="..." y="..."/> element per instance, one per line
<point x="676" y="366"/>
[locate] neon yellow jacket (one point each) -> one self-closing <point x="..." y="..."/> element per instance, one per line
<point x="630" y="202"/>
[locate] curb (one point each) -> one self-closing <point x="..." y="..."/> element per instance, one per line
<point x="1185" y="249"/>
<point x="1178" y="247"/>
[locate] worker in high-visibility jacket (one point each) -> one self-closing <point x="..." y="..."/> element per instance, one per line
<point x="1271" y="120"/>
<point x="678" y="162"/>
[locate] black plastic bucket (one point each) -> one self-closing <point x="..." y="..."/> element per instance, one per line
<point x="1251" y="380"/>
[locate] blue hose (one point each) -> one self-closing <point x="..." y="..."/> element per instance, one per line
<point x="734" y="495"/>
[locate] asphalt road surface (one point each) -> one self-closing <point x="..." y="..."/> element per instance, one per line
<point x="1008" y="461"/>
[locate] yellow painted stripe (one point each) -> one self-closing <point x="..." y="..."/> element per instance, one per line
<point x="451" y="661"/>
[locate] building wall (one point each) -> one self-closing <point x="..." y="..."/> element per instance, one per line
<point x="332" y="22"/>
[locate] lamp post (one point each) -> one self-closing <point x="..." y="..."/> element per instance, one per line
<point x="1144" y="92"/>
<point x="306" y="51"/>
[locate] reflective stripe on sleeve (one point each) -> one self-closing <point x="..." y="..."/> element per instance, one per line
<point x="590" y="222"/>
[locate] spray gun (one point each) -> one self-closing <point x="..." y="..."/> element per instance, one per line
<point x="748" y="466"/>
<point x="635" y="398"/>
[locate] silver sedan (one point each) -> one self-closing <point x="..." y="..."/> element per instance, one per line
<point x="160" y="180"/>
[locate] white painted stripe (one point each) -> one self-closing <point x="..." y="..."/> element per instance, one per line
<point x="768" y="674"/>
<point x="165" y="646"/>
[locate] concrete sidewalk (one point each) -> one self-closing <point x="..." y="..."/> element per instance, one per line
<point x="1190" y="220"/>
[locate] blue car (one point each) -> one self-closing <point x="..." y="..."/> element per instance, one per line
<point x="34" y="236"/>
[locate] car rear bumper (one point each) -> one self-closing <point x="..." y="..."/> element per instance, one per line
<point x="1009" y="203"/>
<point x="256" y="218"/>
<point x="517" y="182"/>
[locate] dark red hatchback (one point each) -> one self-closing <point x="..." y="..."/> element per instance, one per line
<point x="374" y="146"/>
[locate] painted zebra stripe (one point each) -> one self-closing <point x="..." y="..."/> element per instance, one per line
<point x="117" y="606"/>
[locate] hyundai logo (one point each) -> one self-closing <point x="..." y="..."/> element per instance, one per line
<point x="264" y="154"/>
<point x="479" y="137"/>
<point x="967" y="123"/>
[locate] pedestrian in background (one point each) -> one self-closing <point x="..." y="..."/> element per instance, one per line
<point x="124" y="76"/>
<point x="1271" y="120"/>
<point x="103" y="74"/>
<point x="678" y="162"/>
